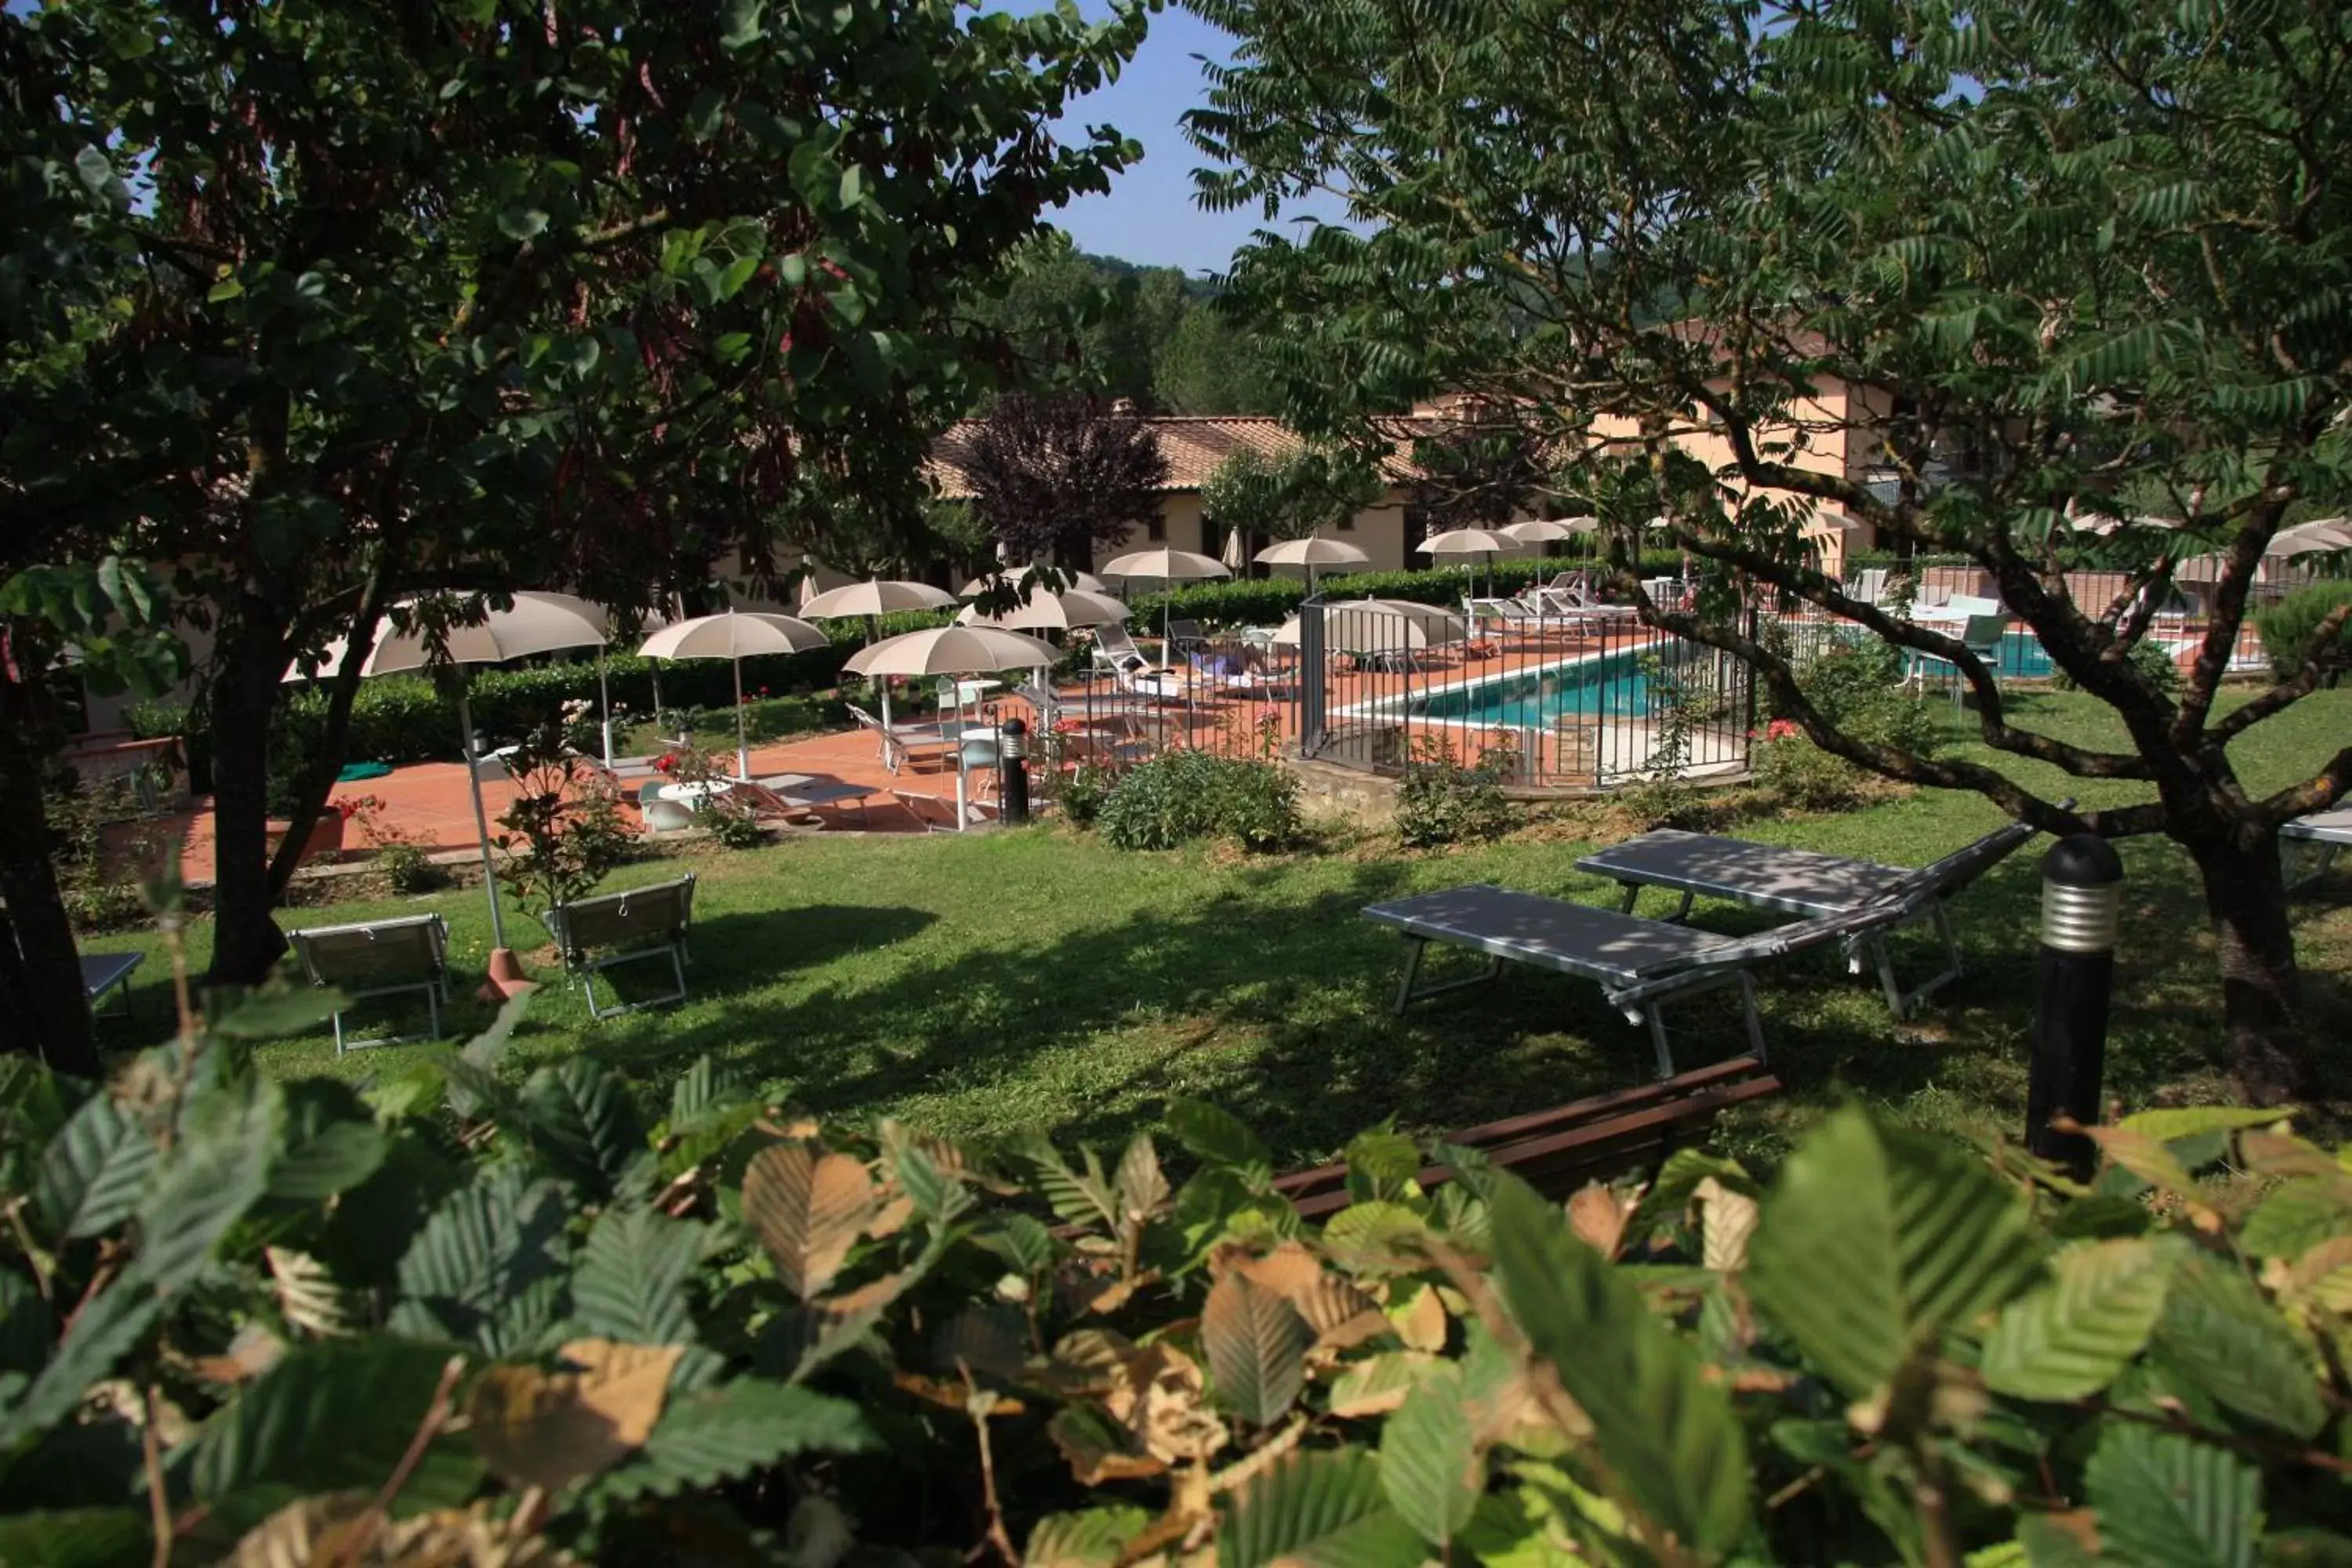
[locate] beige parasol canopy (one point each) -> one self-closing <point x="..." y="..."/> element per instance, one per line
<point x="1047" y="611"/>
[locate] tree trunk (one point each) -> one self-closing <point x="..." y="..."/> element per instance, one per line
<point x="2245" y="898"/>
<point x="42" y="1008"/>
<point x="249" y="664"/>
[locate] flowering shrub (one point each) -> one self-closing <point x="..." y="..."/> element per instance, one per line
<point x="1804" y="777"/>
<point x="1439" y="801"/>
<point x="1184" y="794"/>
<point x="565" y="829"/>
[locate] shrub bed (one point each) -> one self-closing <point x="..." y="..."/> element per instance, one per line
<point x="457" y="1319"/>
<point x="1185" y="795"/>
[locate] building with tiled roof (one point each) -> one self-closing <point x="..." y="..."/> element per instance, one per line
<point x="1195" y="446"/>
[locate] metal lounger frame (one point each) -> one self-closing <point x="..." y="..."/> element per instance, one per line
<point x="2317" y="837"/>
<point x="581" y="969"/>
<point x="1923" y="892"/>
<point x="435" y="985"/>
<point x="1640" y="994"/>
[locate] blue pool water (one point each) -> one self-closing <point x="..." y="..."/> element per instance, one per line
<point x="1615" y="687"/>
<point x="1586" y="686"/>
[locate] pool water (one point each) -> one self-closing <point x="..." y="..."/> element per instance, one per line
<point x="1615" y="687"/>
<point x="1608" y="686"/>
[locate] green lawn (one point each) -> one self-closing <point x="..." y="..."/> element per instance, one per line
<point x="1039" y="979"/>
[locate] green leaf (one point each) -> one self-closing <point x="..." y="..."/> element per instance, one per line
<point x="700" y="1090"/>
<point x="332" y="1143"/>
<point x="582" y="1121"/>
<point x="1088" y="1540"/>
<point x="2219" y="1332"/>
<point x="2189" y="1122"/>
<point x="1670" y="1444"/>
<point x="2072" y="1337"/>
<point x="102" y="1334"/>
<point x="93" y="1170"/>
<point x="2168" y="1501"/>
<point x="1323" y="1508"/>
<point x="76" y="1538"/>
<point x="631" y="1282"/>
<point x="1874" y="1240"/>
<point x="472" y="1273"/>
<point x="219" y="1170"/>
<point x="1255" y="1342"/>
<point x="1431" y="1470"/>
<point x="705" y="1438"/>
<point x="332" y="1417"/>
<point x="2296" y="1215"/>
<point x="1022" y="1240"/>
<point x="1218" y="1138"/>
<point x="28" y="1330"/>
<point x="1382" y="1166"/>
<point x="277" y="1009"/>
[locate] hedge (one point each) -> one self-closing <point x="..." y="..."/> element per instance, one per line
<point x="408" y="719"/>
<point x="2286" y="628"/>
<point x="1266" y="601"/>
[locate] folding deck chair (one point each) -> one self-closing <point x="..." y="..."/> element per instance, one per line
<point x="1803" y="882"/>
<point x="2318" y="837"/>
<point x="612" y="929"/>
<point x="1638" y="964"/>
<point x="105" y="972"/>
<point x="899" y="743"/>
<point x="379" y="958"/>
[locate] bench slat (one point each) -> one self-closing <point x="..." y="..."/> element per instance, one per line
<point x="1602" y="1135"/>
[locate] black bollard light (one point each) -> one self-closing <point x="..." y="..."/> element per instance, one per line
<point x="2082" y="892"/>
<point x="1014" y="750"/>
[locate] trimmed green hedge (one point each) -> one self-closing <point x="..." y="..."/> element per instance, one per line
<point x="2286" y="628"/>
<point x="408" y="719"/>
<point x="1266" y="601"/>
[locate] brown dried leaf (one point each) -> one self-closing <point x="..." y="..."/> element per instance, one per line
<point x="1598" y="1218"/>
<point x="2283" y="1154"/>
<point x="1726" y="1219"/>
<point x="1288" y="1271"/>
<point x="1142" y="1188"/>
<point x="550" y="1429"/>
<point x="808" y="1212"/>
<point x="953" y="1395"/>
<point x="1378" y="1384"/>
<point x="253" y="1351"/>
<point x="1420" y="1319"/>
<point x="1159" y="1394"/>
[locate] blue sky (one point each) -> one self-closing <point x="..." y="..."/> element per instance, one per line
<point x="1149" y="216"/>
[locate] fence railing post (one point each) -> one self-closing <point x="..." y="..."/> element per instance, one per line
<point x="1313" y="673"/>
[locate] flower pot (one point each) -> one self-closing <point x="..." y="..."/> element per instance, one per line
<point x="326" y="840"/>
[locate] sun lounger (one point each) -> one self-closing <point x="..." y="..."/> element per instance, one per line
<point x="2317" y="837"/>
<point x="1638" y="964"/>
<point x="1803" y="882"/>
<point x="105" y="972"/>
<point x="803" y="794"/>
<point x="899" y="743"/>
<point x="1115" y="649"/>
<point x="379" y="958"/>
<point x="611" y="928"/>
<point x="937" y="812"/>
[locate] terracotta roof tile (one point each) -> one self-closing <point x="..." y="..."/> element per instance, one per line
<point x="1194" y="444"/>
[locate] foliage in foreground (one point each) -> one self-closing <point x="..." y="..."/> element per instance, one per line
<point x="459" y="1320"/>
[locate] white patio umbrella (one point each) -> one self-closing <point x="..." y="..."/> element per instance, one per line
<point x="2319" y="536"/>
<point x="1544" y="529"/>
<point x="1486" y="541"/>
<point x="1168" y="567"/>
<point x="952" y="650"/>
<point x="1314" y="553"/>
<point x="1045" y="610"/>
<point x="873" y="598"/>
<point x="538" y="622"/>
<point x="1084" y="580"/>
<point x="1367" y="625"/>
<point x="734" y="635"/>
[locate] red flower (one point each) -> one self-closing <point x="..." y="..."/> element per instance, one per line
<point x="666" y="762"/>
<point x="1783" y="730"/>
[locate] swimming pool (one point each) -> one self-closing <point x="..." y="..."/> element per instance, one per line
<point x="1596" y="685"/>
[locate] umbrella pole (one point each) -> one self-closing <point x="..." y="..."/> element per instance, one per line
<point x="742" y="752"/>
<point x="504" y="977"/>
<point x="605" y="698"/>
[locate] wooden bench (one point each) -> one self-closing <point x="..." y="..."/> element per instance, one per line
<point x="1559" y="1149"/>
